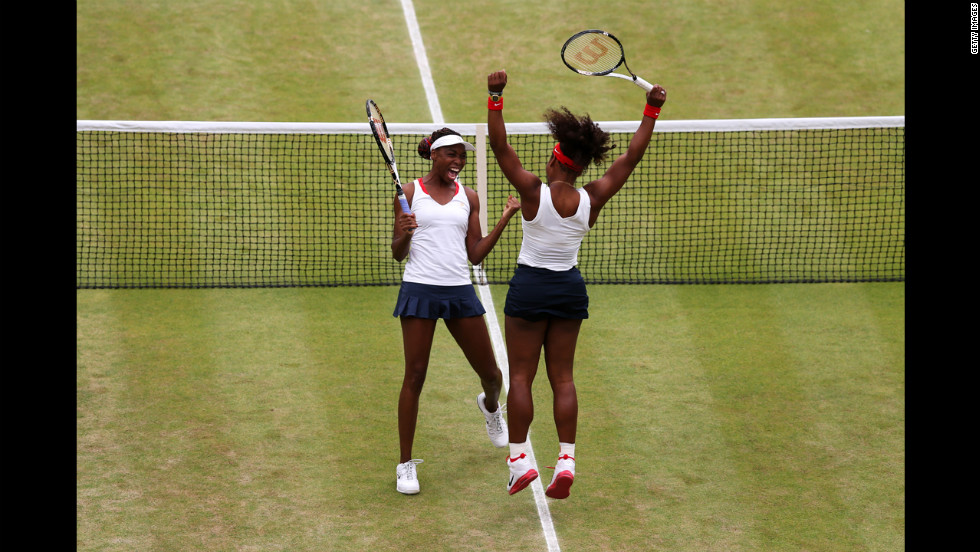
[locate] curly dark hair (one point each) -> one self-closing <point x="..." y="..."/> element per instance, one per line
<point x="426" y="142"/>
<point x="581" y="139"/>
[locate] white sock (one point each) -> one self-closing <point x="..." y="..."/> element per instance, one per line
<point x="566" y="448"/>
<point x="517" y="449"/>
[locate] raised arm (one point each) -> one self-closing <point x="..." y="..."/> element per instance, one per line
<point x="602" y="189"/>
<point x="525" y="182"/>
<point x="479" y="246"/>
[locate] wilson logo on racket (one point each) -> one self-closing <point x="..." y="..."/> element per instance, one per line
<point x="380" y="128"/>
<point x="594" y="55"/>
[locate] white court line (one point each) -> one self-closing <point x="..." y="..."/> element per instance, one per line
<point x="423" y="61"/>
<point x="500" y="350"/>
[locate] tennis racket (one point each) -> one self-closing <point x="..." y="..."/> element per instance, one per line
<point x="381" y="136"/>
<point x="597" y="54"/>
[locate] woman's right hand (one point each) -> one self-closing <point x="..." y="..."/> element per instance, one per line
<point x="657" y="96"/>
<point x="406" y="222"/>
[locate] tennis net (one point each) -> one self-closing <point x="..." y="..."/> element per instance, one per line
<point x="197" y="204"/>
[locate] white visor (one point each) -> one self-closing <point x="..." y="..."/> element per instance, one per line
<point x="451" y="140"/>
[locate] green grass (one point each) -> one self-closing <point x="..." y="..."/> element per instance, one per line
<point x="295" y="60"/>
<point x="712" y="418"/>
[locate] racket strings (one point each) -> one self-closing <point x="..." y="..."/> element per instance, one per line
<point x="381" y="132"/>
<point x="593" y="53"/>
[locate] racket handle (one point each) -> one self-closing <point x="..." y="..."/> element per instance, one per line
<point x="405" y="208"/>
<point x="642" y="84"/>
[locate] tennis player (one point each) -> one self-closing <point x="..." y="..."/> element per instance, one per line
<point x="438" y="237"/>
<point x="547" y="299"/>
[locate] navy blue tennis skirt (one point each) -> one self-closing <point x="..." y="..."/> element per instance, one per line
<point x="539" y="293"/>
<point x="425" y="301"/>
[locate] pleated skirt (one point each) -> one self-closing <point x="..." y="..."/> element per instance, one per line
<point x="433" y="302"/>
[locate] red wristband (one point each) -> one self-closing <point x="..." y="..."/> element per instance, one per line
<point x="651" y="111"/>
<point x="495" y="105"/>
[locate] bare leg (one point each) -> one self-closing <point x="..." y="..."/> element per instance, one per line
<point x="417" y="341"/>
<point x="473" y="338"/>
<point x="559" y="358"/>
<point x="524" y="342"/>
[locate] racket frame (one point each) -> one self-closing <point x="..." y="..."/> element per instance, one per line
<point x="380" y="131"/>
<point x="632" y="77"/>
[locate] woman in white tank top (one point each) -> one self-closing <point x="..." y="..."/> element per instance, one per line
<point x="547" y="299"/>
<point x="439" y="238"/>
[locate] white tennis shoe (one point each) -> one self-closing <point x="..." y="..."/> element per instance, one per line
<point x="563" y="479"/>
<point x="522" y="473"/>
<point x="496" y="425"/>
<point x="408" y="480"/>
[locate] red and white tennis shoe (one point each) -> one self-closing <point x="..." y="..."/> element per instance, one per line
<point x="563" y="479"/>
<point x="522" y="473"/>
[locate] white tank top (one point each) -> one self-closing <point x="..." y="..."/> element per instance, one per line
<point x="551" y="241"/>
<point x="437" y="255"/>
